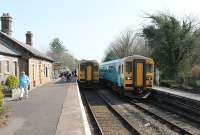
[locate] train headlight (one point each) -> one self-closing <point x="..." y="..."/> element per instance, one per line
<point x="128" y="78"/>
<point x="148" y="78"/>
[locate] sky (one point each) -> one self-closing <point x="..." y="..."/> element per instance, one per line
<point x="86" y="27"/>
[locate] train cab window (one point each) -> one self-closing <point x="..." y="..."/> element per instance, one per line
<point x="110" y="68"/>
<point x="119" y="69"/>
<point x="128" y="67"/>
<point x="82" y="67"/>
<point x="96" y="68"/>
<point x="149" y="68"/>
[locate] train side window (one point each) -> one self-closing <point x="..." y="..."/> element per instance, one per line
<point x="122" y="68"/>
<point x="119" y="69"/>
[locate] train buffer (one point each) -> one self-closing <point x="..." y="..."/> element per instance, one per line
<point x="73" y="119"/>
<point x="180" y="93"/>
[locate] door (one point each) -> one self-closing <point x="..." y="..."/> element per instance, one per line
<point x="89" y="73"/>
<point x="40" y="75"/>
<point x="139" y="74"/>
<point x="33" y="75"/>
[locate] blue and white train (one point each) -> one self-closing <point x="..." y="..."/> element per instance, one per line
<point x="132" y="75"/>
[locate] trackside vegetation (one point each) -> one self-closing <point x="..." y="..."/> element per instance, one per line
<point x="173" y="43"/>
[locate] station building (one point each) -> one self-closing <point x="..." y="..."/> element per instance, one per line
<point x="16" y="56"/>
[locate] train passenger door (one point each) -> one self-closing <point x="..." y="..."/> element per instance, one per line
<point x="89" y="73"/>
<point x="139" y="73"/>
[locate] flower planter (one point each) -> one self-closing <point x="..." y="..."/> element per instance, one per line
<point x="12" y="93"/>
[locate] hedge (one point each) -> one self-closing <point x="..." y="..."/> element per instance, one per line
<point x="1" y="98"/>
<point x="12" y="82"/>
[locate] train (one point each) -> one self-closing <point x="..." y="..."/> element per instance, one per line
<point x="88" y="74"/>
<point x="130" y="76"/>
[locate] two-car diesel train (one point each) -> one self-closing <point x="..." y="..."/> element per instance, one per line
<point x="132" y="75"/>
<point x="88" y="74"/>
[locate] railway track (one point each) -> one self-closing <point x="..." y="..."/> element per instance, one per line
<point x="172" y="121"/>
<point x="165" y="119"/>
<point x="108" y="120"/>
<point x="185" y="107"/>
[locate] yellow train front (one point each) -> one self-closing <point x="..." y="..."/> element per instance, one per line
<point x="88" y="74"/>
<point x="132" y="75"/>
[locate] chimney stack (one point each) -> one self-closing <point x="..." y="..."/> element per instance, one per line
<point x="6" y="21"/>
<point x="29" y="36"/>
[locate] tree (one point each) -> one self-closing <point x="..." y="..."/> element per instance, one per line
<point x="56" y="49"/>
<point x="171" y="42"/>
<point x="60" y="54"/>
<point x="127" y="44"/>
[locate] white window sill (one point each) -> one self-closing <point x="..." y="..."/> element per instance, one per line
<point x="6" y="73"/>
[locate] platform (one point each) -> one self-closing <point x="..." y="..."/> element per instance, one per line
<point x="73" y="120"/>
<point x="178" y="93"/>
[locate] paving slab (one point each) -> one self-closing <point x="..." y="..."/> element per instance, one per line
<point x="38" y="115"/>
<point x="73" y="119"/>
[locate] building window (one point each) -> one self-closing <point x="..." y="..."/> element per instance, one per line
<point x="7" y="67"/>
<point x="15" y="68"/>
<point x="46" y="72"/>
<point x="0" y="67"/>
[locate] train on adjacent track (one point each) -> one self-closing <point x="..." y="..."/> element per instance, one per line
<point x="131" y="76"/>
<point x="88" y="74"/>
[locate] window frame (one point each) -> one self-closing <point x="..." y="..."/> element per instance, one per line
<point x="46" y="71"/>
<point x="7" y="66"/>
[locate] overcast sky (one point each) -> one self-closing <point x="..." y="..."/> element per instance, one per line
<point x="86" y="27"/>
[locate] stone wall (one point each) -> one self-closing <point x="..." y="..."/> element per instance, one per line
<point x="39" y="71"/>
<point x="9" y="65"/>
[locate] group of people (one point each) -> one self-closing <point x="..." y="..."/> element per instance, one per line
<point x="68" y="77"/>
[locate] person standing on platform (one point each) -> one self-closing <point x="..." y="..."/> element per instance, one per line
<point x="24" y="83"/>
<point x="157" y="77"/>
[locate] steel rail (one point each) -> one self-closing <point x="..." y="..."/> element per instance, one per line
<point x="100" y="131"/>
<point x="123" y="120"/>
<point x="173" y="126"/>
<point x="184" y="105"/>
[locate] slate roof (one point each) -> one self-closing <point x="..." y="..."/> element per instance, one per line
<point x="29" y="48"/>
<point x="5" y="49"/>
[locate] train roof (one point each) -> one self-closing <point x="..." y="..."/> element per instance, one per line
<point x="88" y="61"/>
<point x="126" y="58"/>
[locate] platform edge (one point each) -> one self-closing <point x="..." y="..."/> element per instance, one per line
<point x="83" y="113"/>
